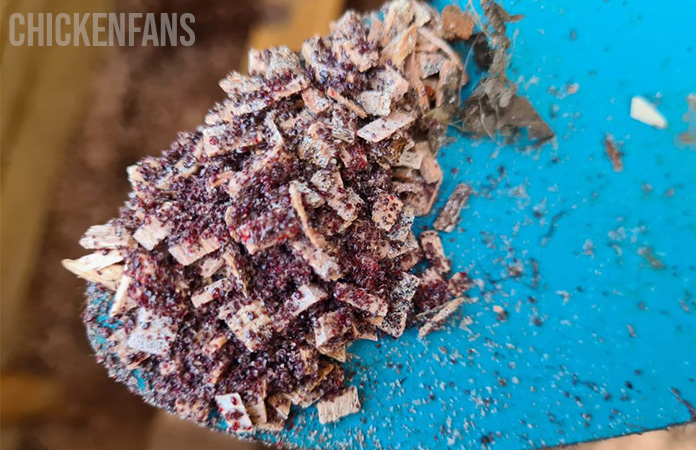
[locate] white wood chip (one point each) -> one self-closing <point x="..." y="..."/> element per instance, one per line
<point x="236" y="267"/>
<point x="434" y="252"/>
<point x="384" y="127"/>
<point x="403" y="225"/>
<point x="306" y="296"/>
<point x="386" y="211"/>
<point x="321" y="262"/>
<point x="273" y="62"/>
<point x="108" y="235"/>
<point x="118" y="345"/>
<point x="315" y="148"/>
<point x="413" y="157"/>
<point x="344" y="45"/>
<point x="365" y="331"/>
<point x="281" y="404"/>
<point x="213" y="140"/>
<point x="409" y="260"/>
<point x="300" y="301"/>
<point x="401" y="47"/>
<point x="422" y="13"/>
<point x="644" y="111"/>
<point x="449" y="216"/>
<point x="215" y="344"/>
<point x="246" y="96"/>
<point x="391" y="81"/>
<point x="459" y="283"/>
<point x="232" y="409"/>
<point x="211" y="292"/>
<point x="274" y="424"/>
<point x="122" y="301"/>
<point x="150" y="233"/>
<point x="442" y="314"/>
<point x="187" y="254"/>
<point x="361" y="299"/>
<point x="315" y="100"/>
<point x="347" y="103"/>
<point x="274" y="158"/>
<point x="429" y="64"/>
<point x="399" y="248"/>
<point x="430" y="276"/>
<point x="329" y="326"/>
<point x="442" y="45"/>
<point x="309" y="393"/>
<point x="336" y="351"/>
<point x="345" y="202"/>
<point x="109" y="277"/>
<point x="430" y="169"/>
<point x="210" y="265"/>
<point x="250" y="324"/>
<point x="397" y="17"/>
<point x="310" y="196"/>
<point x="153" y="334"/>
<point x="347" y="402"/>
<point x="98" y="260"/>
<point x="449" y="85"/>
<point x="375" y="103"/>
<point x="255" y="404"/>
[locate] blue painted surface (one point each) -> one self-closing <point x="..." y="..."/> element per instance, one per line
<point x="564" y="366"/>
<point x="579" y="375"/>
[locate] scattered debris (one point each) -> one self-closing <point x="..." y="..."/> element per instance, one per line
<point x="495" y="106"/>
<point x="691" y="408"/>
<point x="449" y="216"/>
<point x="631" y="330"/>
<point x="614" y="153"/>
<point x="649" y="255"/>
<point x="439" y="317"/>
<point x="688" y="138"/>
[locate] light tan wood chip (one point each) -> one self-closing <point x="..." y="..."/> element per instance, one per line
<point x="343" y="404"/>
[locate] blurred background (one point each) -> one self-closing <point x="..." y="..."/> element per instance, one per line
<point x="73" y="118"/>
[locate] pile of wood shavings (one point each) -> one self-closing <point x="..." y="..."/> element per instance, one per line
<point x="254" y="250"/>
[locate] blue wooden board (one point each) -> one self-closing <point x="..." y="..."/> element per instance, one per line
<point x="600" y="342"/>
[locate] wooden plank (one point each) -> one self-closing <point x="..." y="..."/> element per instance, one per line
<point x="27" y="397"/>
<point x="20" y="67"/>
<point x="168" y="432"/>
<point x="305" y="18"/>
<point x="52" y="105"/>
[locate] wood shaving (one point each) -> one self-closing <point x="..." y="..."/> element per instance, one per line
<point x="439" y="317"/>
<point x="644" y="111"/>
<point x="457" y="22"/>
<point x="341" y="405"/>
<point x="613" y="152"/>
<point x="449" y="215"/>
